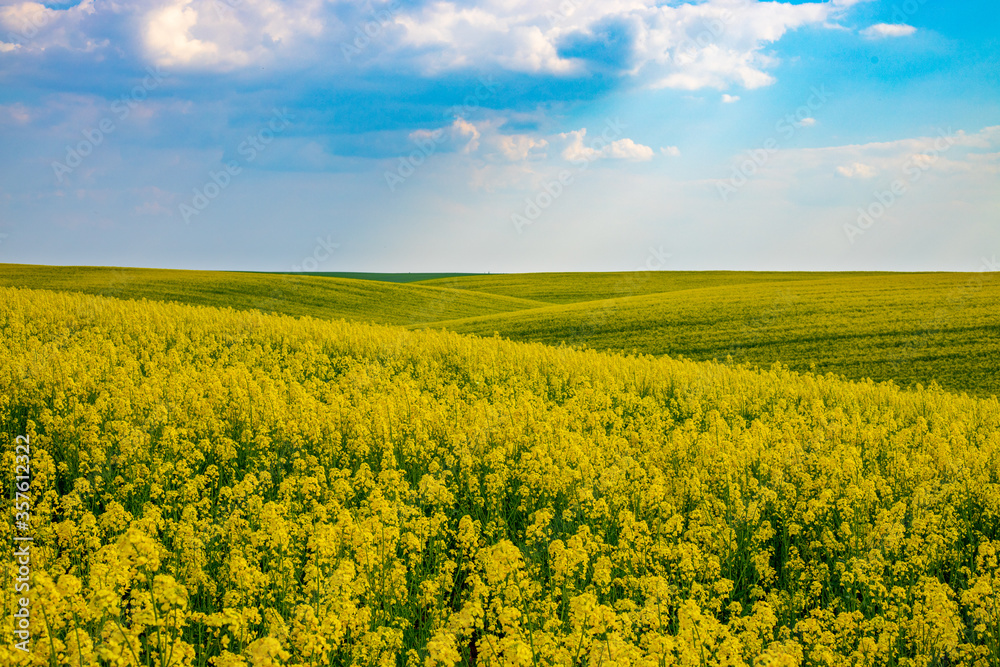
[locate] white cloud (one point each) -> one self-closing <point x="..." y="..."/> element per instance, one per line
<point x="518" y="147"/>
<point x="670" y="151"/>
<point x="216" y="34"/>
<point x="729" y="99"/>
<point x="169" y="40"/>
<point x="31" y="26"/>
<point x="17" y="112"/>
<point x="690" y="46"/>
<point x="716" y="44"/>
<point x="806" y="122"/>
<point x="621" y="149"/>
<point x="27" y="19"/>
<point x="462" y="130"/>
<point x="482" y="141"/>
<point x="889" y="30"/>
<point x="857" y="170"/>
<point x="453" y="37"/>
<point x="494" y="160"/>
<point x="911" y="159"/>
<point x="575" y="148"/>
<point x="626" y="149"/>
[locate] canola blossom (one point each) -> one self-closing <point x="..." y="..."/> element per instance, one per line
<point x="213" y="487"/>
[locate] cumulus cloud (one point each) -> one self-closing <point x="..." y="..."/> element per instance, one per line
<point x="483" y="144"/>
<point x="711" y="44"/>
<point x="670" y="151"/>
<point x="225" y="35"/>
<point x="27" y="19"/>
<point x="32" y="27"/>
<point x="880" y="30"/>
<point x="576" y="148"/>
<point x="946" y="153"/>
<point x="857" y="170"/>
<point x="687" y="46"/>
<point x="467" y="133"/>
<point x="519" y="147"/>
<point x="716" y="44"/>
<point x="626" y="149"/>
<point x="730" y="99"/>
<point x="168" y="37"/>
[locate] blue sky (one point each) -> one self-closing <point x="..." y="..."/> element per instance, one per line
<point x="505" y="135"/>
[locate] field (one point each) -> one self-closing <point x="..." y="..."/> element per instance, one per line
<point x="224" y="487"/>
<point x="384" y="277"/>
<point x="325" y="297"/>
<point x="908" y="328"/>
<point x="564" y="288"/>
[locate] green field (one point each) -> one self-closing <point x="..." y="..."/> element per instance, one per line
<point x="580" y="287"/>
<point x="327" y="298"/>
<point x="383" y="277"/>
<point x="912" y="328"/>
<point x="907" y="327"/>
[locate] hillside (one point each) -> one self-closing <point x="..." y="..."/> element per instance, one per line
<point x="215" y="487"/>
<point x="563" y="288"/>
<point x="912" y="328"/>
<point x="323" y="297"/>
<point x="383" y="277"/>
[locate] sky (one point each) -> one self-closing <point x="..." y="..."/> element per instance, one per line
<point x="501" y="135"/>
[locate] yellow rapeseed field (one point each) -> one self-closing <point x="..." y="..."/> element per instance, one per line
<point x="213" y="487"/>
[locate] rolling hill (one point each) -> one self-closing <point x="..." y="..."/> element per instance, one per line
<point x="207" y="487"/>
<point x="912" y="328"/>
<point x="566" y="288"/>
<point x="908" y="327"/>
<point x="322" y="297"/>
